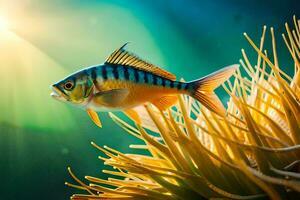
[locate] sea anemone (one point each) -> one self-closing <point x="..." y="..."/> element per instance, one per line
<point x="251" y="153"/>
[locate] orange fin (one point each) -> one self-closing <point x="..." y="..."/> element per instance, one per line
<point x="132" y="114"/>
<point x="165" y="102"/>
<point x="94" y="116"/>
<point x="204" y="89"/>
<point x="211" y="102"/>
<point x="213" y="80"/>
<point x="123" y="57"/>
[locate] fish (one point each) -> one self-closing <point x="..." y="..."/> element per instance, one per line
<point x="125" y="81"/>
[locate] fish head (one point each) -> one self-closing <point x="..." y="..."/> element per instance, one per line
<point x="75" y="89"/>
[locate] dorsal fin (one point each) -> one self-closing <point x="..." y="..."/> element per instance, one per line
<point x="123" y="57"/>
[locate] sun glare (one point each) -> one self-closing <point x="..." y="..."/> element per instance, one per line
<point x="3" y="24"/>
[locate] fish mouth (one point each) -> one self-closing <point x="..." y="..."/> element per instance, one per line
<point x="56" y="93"/>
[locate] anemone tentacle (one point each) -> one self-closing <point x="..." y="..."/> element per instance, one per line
<point x="251" y="153"/>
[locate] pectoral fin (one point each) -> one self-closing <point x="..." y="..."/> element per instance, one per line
<point x="111" y="97"/>
<point x="94" y="116"/>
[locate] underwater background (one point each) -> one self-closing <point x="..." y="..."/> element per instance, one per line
<point x="47" y="40"/>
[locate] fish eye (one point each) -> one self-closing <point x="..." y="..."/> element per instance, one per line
<point x="69" y="85"/>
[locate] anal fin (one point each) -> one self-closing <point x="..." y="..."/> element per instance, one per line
<point x="165" y="102"/>
<point x="132" y="114"/>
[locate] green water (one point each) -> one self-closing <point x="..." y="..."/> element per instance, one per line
<point x="40" y="137"/>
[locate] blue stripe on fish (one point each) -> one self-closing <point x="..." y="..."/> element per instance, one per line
<point x="158" y="80"/>
<point x="185" y="86"/>
<point x="111" y="69"/>
<point x="175" y="83"/>
<point x="94" y="74"/>
<point x="154" y="79"/>
<point x="172" y="84"/>
<point x="126" y="73"/>
<point x="179" y="86"/>
<point x="150" y="78"/>
<point x="136" y="75"/>
<point x="145" y="77"/>
<point x="121" y="72"/>
<point x="115" y="72"/>
<point x="163" y="82"/>
<point x="104" y="72"/>
<point x="168" y="83"/>
<point x="131" y="74"/>
<point x="141" y="76"/>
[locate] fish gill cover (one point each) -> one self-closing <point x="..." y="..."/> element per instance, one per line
<point x="251" y="153"/>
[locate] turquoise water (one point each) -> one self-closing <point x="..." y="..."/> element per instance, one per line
<point x="46" y="40"/>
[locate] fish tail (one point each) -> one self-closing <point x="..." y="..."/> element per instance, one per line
<point x="203" y="89"/>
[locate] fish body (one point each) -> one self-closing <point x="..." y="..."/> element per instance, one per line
<point x="142" y="86"/>
<point x="125" y="81"/>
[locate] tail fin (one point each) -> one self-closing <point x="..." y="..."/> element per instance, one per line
<point x="203" y="89"/>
